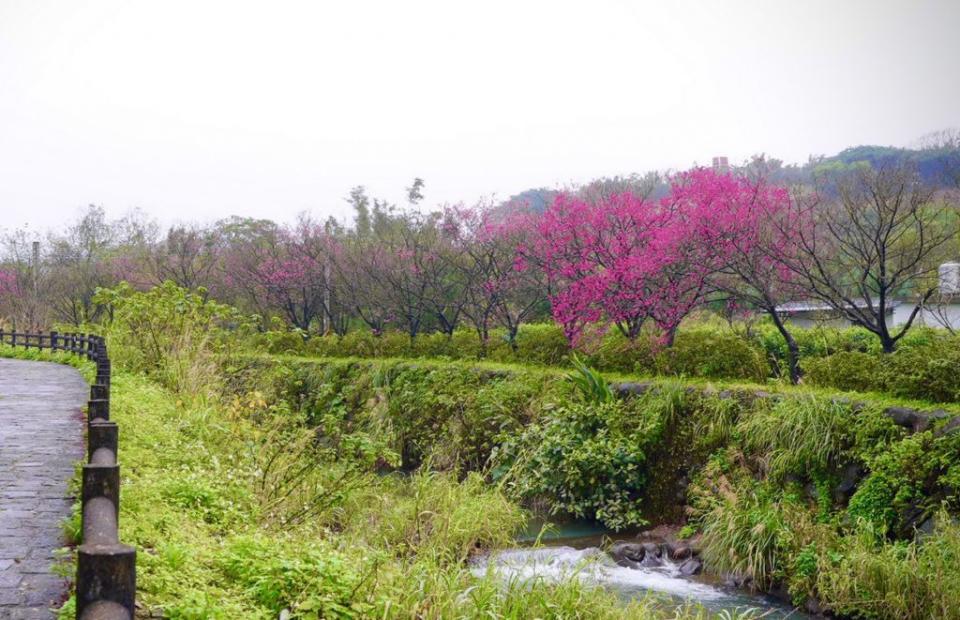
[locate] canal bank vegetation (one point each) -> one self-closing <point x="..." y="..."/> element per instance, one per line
<point x="244" y="503"/>
<point x="363" y="487"/>
<point x="236" y="516"/>
<point x="793" y="492"/>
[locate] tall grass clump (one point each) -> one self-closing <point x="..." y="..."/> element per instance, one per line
<point x="906" y="579"/>
<point x="798" y="435"/>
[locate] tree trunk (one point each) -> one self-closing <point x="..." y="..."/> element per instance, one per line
<point x="512" y="335"/>
<point x="793" y="350"/>
<point x="889" y="344"/>
<point x="671" y="335"/>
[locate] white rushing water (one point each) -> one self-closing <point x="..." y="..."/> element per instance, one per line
<point x="592" y="564"/>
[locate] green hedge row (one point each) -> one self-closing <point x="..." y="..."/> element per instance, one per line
<point x="926" y="366"/>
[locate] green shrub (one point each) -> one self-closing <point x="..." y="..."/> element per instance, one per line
<point x="617" y="353"/>
<point x="925" y="367"/>
<point x="279" y="342"/>
<point x="587" y="460"/>
<point x="171" y="333"/>
<point x="712" y="353"/>
<point x="847" y="370"/>
<point x="930" y="371"/>
<point x="538" y="344"/>
<point x="590" y="459"/>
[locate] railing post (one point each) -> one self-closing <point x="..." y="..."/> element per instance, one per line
<point x="101" y="434"/>
<point x="101" y="481"/>
<point x="53" y="340"/>
<point x="106" y="580"/>
<point x="98" y="409"/>
<point x="100" y="391"/>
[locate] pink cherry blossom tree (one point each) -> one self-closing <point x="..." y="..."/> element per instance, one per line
<point x="749" y="221"/>
<point x="624" y="260"/>
<point x="287" y="270"/>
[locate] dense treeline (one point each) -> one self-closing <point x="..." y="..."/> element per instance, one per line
<point x="637" y="256"/>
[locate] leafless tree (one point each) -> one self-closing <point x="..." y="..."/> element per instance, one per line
<point x="883" y="238"/>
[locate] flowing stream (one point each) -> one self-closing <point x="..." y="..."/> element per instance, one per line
<point x="574" y="550"/>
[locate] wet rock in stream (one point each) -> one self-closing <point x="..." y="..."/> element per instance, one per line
<point x="627" y="554"/>
<point x="690" y="567"/>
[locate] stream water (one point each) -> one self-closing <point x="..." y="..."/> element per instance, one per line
<point x="574" y="550"/>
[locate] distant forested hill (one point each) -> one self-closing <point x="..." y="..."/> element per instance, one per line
<point x="935" y="165"/>
<point x="938" y="165"/>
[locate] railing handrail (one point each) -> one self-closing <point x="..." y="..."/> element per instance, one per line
<point x="106" y="569"/>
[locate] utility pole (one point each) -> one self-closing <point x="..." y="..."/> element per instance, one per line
<point x="35" y="268"/>
<point x="327" y="310"/>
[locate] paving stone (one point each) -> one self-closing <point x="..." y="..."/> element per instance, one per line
<point x="41" y="438"/>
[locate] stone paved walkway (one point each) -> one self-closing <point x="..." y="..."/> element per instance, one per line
<point x="41" y="438"/>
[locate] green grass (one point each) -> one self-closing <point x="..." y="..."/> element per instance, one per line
<point x="391" y="546"/>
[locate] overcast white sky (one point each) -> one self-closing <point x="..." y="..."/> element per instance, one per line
<point x="199" y="109"/>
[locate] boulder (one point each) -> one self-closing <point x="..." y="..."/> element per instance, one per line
<point x="627" y="554"/>
<point x="850" y="477"/>
<point x="734" y="580"/>
<point x="651" y="549"/>
<point x="691" y="566"/>
<point x="626" y="389"/>
<point x="916" y="421"/>
<point x="652" y="554"/>
<point x="950" y="427"/>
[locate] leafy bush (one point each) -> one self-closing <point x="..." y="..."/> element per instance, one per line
<point x="587" y="460"/>
<point x="711" y="353"/>
<point x="926" y="367"/>
<point x="170" y="333"/>
<point x="847" y="370"/>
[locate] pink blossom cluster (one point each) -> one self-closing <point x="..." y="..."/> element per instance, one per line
<point x="625" y="260"/>
<point x="9" y="286"/>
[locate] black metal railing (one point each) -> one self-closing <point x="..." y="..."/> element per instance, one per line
<point x="106" y="569"/>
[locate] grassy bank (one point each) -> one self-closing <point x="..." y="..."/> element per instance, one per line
<point x="815" y="495"/>
<point x="238" y="512"/>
